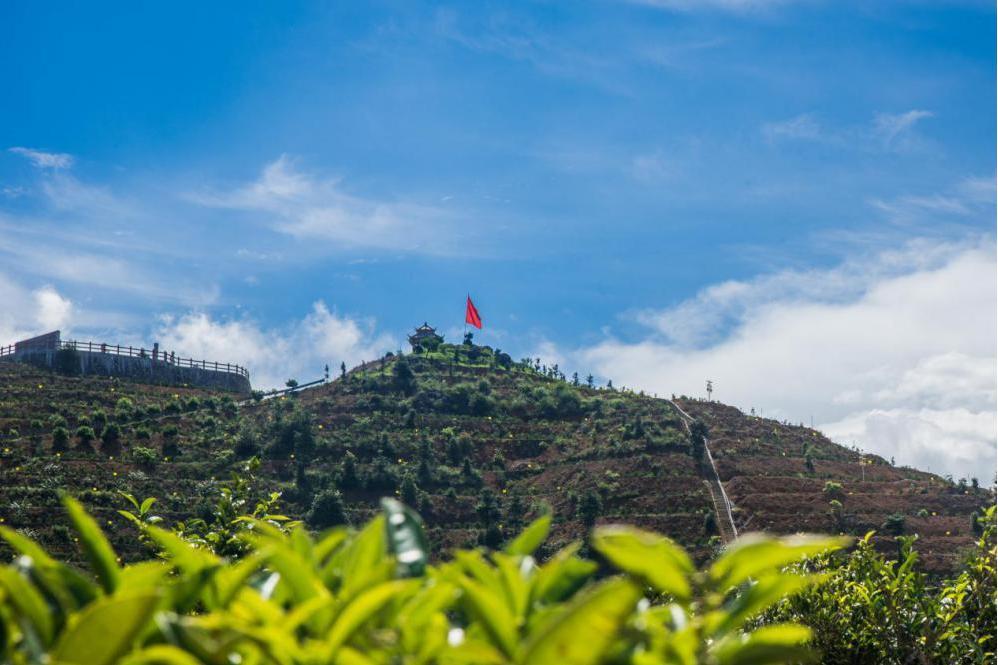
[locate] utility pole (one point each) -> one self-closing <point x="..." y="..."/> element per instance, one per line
<point x="710" y="389"/>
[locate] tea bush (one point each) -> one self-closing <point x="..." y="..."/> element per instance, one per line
<point x="872" y="609"/>
<point x="372" y="597"/>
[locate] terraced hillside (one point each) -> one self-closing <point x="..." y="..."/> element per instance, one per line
<point x="784" y="478"/>
<point x="478" y="443"/>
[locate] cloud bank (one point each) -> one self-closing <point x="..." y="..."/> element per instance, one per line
<point x="306" y="207"/>
<point x="299" y="350"/>
<point x="894" y="352"/>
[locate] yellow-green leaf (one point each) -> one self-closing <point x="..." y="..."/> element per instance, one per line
<point x="653" y="559"/>
<point x="581" y="633"/>
<point x="95" y="545"/>
<point x="28" y="603"/>
<point x="160" y="654"/>
<point x="491" y="611"/>
<point x="782" y="643"/>
<point x="531" y="537"/>
<point x="105" y="629"/>
<point x="362" y="608"/>
<point x="755" y="554"/>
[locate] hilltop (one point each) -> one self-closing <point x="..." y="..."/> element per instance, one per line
<point x="478" y="443"/>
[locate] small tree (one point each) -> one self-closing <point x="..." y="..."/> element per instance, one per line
<point x="409" y="491"/>
<point x="590" y="508"/>
<point x="327" y="510"/>
<point x="60" y="439"/>
<point x="99" y="421"/>
<point x="111" y="436"/>
<point x="85" y="435"/>
<point x="349" y="478"/>
<point x="405" y="379"/>
<point x="894" y="524"/>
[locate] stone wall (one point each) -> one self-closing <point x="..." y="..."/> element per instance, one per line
<point x="145" y="370"/>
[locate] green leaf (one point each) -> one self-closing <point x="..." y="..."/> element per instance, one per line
<point x="105" y="630"/>
<point x="146" y="505"/>
<point x="363" y="556"/>
<point x="753" y="599"/>
<point x="562" y="575"/>
<point x="131" y="499"/>
<point x="653" y="559"/>
<point x="582" y="632"/>
<point x="182" y="554"/>
<point x="95" y="545"/>
<point x="230" y="579"/>
<point x="531" y="538"/>
<point x="782" y="643"/>
<point x="295" y="572"/>
<point x="514" y="583"/>
<point x="54" y="573"/>
<point x="491" y="611"/>
<point x="406" y="538"/>
<point x="144" y="575"/>
<point x="752" y="555"/>
<point x="28" y="603"/>
<point x="362" y="608"/>
<point x="161" y="654"/>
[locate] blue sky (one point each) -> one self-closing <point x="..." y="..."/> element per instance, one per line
<point x="626" y="187"/>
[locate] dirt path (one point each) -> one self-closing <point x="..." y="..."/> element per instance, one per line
<point x="722" y="506"/>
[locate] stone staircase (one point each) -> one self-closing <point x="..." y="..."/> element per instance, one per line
<point x="722" y="506"/>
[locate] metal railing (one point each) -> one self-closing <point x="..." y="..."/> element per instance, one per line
<point x="169" y="358"/>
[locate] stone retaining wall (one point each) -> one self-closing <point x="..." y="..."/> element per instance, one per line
<point x="145" y="370"/>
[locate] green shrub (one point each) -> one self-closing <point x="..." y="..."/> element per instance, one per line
<point x="85" y="434"/>
<point x="60" y="438"/>
<point x="111" y="434"/>
<point x="327" y="510"/>
<point x="391" y="606"/>
<point x="143" y="456"/>
<point x="833" y="488"/>
<point x="124" y="408"/>
<point x="99" y="421"/>
<point x="895" y="524"/>
<point x="897" y="614"/>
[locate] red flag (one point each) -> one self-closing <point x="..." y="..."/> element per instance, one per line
<point x="471" y="315"/>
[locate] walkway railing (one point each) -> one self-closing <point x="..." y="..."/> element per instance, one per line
<point x="138" y="352"/>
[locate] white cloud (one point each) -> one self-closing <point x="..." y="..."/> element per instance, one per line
<point x="893" y="127"/>
<point x="313" y="209"/>
<point x="895" y="351"/>
<point x="44" y="160"/>
<point x="299" y="350"/>
<point x="803" y="126"/>
<point x="54" y="312"/>
<point x="26" y="312"/>
<point x="891" y="132"/>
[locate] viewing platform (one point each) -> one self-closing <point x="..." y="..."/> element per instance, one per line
<point x="136" y="363"/>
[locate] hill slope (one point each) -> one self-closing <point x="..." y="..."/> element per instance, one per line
<point x="477" y="443"/>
